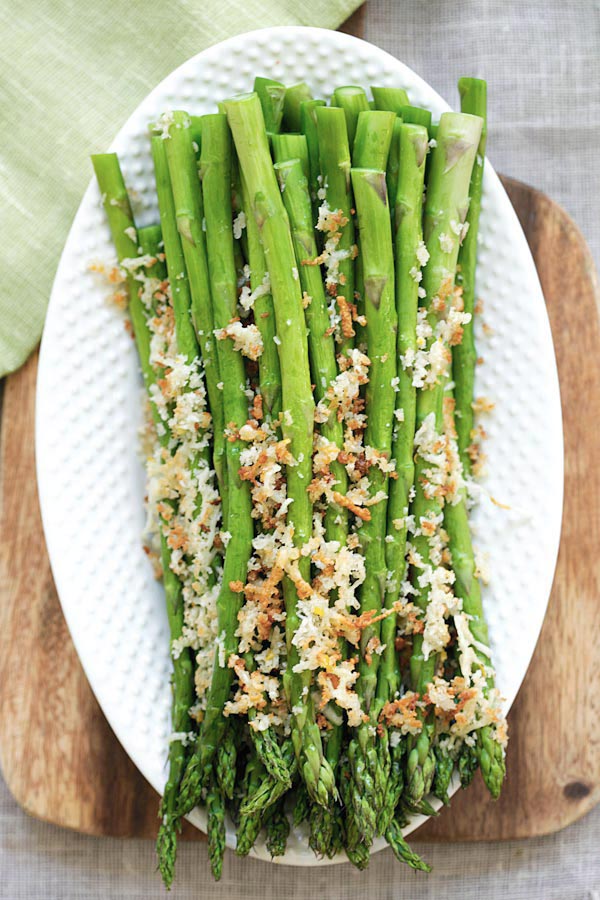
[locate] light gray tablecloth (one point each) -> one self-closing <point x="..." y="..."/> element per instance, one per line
<point x="542" y="61"/>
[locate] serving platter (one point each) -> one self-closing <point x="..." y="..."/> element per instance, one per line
<point x="90" y="476"/>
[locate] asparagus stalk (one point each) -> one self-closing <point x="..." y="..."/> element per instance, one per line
<point x="393" y="168"/>
<point x="372" y="143"/>
<point x="272" y="98"/>
<point x="240" y="244"/>
<point x="264" y="314"/>
<point x="215" y="831"/>
<point x="183" y="667"/>
<point x="187" y="340"/>
<point x="414" y="115"/>
<point x="295" y="96"/>
<point x="334" y="156"/>
<point x="278" y="828"/>
<point x="120" y="218"/>
<point x="226" y="761"/>
<point x="352" y="100"/>
<point x="394" y="786"/>
<point x="216" y="186"/>
<point x="176" y="176"/>
<point x="262" y="793"/>
<point x="473" y="96"/>
<point x="391" y="98"/>
<point x="408" y="238"/>
<point x="250" y="821"/>
<point x="321" y="347"/>
<point x="447" y="202"/>
<point x="196" y="132"/>
<point x="291" y="146"/>
<point x="302" y="805"/>
<point x="308" y="127"/>
<point x="402" y="851"/>
<point x="373" y="138"/>
<point x="369" y="778"/>
<point x="487" y="752"/>
<point x="215" y="164"/>
<point x="444" y="767"/>
<point x="248" y="128"/>
<point x="357" y="850"/>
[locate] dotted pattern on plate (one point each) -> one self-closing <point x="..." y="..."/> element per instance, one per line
<point x="89" y="409"/>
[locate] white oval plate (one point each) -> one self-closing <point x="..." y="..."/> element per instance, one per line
<point x="90" y="477"/>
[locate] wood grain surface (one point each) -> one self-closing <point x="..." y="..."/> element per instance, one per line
<point x="58" y="754"/>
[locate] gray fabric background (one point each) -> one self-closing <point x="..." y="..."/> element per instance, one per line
<point x="542" y="61"/>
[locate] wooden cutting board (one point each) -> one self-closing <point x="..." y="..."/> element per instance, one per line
<point x="58" y="754"/>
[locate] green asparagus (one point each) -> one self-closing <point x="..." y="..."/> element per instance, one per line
<point x="295" y="96"/>
<point x="446" y="207"/>
<point x="473" y="95"/>
<point x="369" y="775"/>
<point x="248" y="128"/>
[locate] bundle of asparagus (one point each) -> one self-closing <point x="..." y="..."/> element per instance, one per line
<point x="304" y="321"/>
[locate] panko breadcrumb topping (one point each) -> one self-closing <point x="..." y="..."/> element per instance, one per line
<point x="184" y="511"/>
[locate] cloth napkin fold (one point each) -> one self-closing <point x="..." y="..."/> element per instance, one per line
<point x="70" y="75"/>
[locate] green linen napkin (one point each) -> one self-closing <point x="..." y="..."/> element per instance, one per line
<point x="70" y="74"/>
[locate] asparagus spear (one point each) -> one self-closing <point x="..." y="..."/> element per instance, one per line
<point x="272" y="98"/>
<point x="444" y="767"/>
<point x="392" y="98"/>
<point x="371" y="148"/>
<point x="250" y="821"/>
<point x="320" y="343"/>
<point x="226" y="761"/>
<point x="323" y="370"/>
<point x="216" y="187"/>
<point x="183" y="667"/>
<point x="215" y="164"/>
<point x="394" y="786"/>
<point x="240" y="244"/>
<point x="308" y="127"/>
<point x="447" y="203"/>
<point x="295" y="96"/>
<point x="196" y="132"/>
<point x="264" y="314"/>
<point x="370" y="194"/>
<point x="352" y="100"/>
<point x="180" y="288"/>
<point x="278" y="828"/>
<point x="321" y="347"/>
<point x="408" y="238"/>
<point x="488" y="752"/>
<point x="334" y="156"/>
<point x="402" y="851"/>
<point x="302" y="805"/>
<point x="373" y="138"/>
<point x="473" y="96"/>
<point x="215" y="831"/>
<point x="247" y="125"/>
<point x="357" y="850"/>
<point x="182" y="233"/>
<point x="121" y="221"/>
<point x="187" y="344"/>
<point x="291" y="146"/>
<point x="414" y="115"/>
<point x="392" y="169"/>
